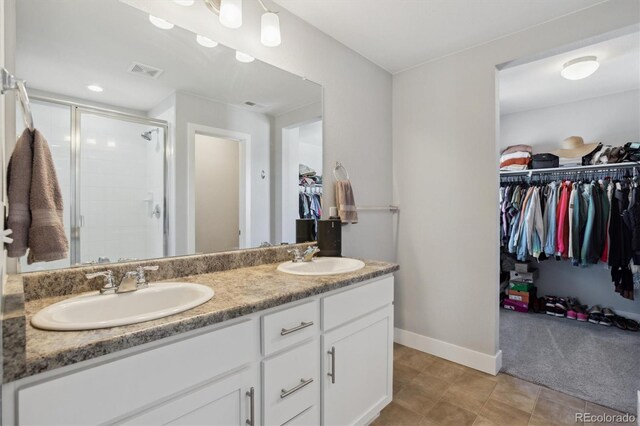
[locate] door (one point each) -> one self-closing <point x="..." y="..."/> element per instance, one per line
<point x="217" y="194"/>
<point x="358" y="368"/>
<point x="225" y="402"/>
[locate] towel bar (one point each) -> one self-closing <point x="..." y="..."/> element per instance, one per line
<point x="392" y="209"/>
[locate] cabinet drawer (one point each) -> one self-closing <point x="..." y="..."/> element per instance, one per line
<point x="291" y="383"/>
<point x="108" y="391"/>
<point x="309" y="417"/>
<point x="351" y="304"/>
<point x="290" y="326"/>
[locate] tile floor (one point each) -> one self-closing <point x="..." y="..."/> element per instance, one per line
<point x="428" y="390"/>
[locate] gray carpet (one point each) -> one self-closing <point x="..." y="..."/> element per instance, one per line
<point x="593" y="362"/>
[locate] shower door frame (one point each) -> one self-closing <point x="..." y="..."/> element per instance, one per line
<point x="76" y="110"/>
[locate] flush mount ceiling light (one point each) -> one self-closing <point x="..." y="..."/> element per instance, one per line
<point x="205" y="41"/>
<point x="579" y="68"/>
<point x="160" y="23"/>
<point x="243" y="57"/>
<point x="95" y="88"/>
<point x="185" y="2"/>
<point x="230" y="15"/>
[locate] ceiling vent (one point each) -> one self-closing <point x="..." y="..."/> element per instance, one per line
<point x="144" y="70"/>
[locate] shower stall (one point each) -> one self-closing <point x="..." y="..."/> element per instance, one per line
<point x="112" y="169"/>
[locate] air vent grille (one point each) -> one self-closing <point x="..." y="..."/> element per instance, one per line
<point x="144" y="70"/>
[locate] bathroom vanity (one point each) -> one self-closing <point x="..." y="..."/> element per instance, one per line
<point x="268" y="349"/>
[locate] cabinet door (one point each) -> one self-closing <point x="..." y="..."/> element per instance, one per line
<point x="357" y="369"/>
<point x="224" y="402"/>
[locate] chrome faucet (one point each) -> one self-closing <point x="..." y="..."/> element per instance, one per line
<point x="131" y="281"/>
<point x="306" y="256"/>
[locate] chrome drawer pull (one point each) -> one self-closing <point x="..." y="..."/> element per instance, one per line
<point x="302" y="325"/>
<point x="285" y="393"/>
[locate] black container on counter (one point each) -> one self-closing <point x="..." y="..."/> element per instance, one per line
<point x="330" y="237"/>
<point x="305" y="230"/>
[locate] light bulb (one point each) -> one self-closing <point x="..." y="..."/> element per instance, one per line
<point x="205" y="41"/>
<point x="270" y="33"/>
<point x="185" y="2"/>
<point x="160" y="23"/>
<point x="243" y="57"/>
<point x="231" y="13"/>
<point x="580" y="68"/>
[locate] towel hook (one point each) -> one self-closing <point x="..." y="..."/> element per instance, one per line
<point x="340" y="167"/>
<point x="9" y="82"/>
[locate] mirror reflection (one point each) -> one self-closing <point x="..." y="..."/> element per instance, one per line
<point x="159" y="158"/>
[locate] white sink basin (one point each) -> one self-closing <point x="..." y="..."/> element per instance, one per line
<point x="322" y="266"/>
<point x="101" y="311"/>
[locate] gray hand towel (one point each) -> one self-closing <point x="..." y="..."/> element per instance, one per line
<point x="346" y="202"/>
<point x="35" y="181"/>
<point x="18" y="187"/>
<point x="47" y="239"/>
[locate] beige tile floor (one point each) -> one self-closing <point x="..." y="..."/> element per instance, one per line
<point x="428" y="390"/>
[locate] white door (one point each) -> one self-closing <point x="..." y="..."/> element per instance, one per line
<point x="217" y="194"/>
<point x="358" y="364"/>
<point x="225" y="402"/>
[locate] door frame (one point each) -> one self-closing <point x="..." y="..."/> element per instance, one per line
<point x="244" y="140"/>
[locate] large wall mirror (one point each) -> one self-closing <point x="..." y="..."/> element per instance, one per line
<point x="165" y="142"/>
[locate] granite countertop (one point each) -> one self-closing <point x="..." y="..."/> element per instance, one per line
<point x="238" y="292"/>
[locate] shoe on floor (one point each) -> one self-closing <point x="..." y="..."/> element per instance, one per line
<point x="620" y="322"/>
<point x="607" y="312"/>
<point x="595" y="318"/>
<point x="632" y="325"/>
<point x="606" y="321"/>
<point x="595" y="309"/>
<point x="581" y="313"/>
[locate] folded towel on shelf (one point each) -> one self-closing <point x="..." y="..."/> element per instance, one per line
<point x="524" y="161"/>
<point x="346" y="202"/>
<point x="514" y="168"/>
<point x="511" y="156"/>
<point x="35" y="201"/>
<point x="516" y="148"/>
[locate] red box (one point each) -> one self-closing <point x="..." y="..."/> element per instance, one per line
<point x="514" y="305"/>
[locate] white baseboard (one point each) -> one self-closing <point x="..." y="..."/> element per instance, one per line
<point x="490" y="364"/>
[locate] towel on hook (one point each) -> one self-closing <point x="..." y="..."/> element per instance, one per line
<point x="346" y="202"/>
<point x="35" y="201"/>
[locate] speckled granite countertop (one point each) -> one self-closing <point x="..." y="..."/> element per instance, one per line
<point x="238" y="292"/>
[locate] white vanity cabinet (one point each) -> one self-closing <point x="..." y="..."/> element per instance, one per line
<point x="327" y="359"/>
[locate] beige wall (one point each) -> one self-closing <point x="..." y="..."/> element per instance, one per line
<point x="217" y="194"/>
<point x="446" y="180"/>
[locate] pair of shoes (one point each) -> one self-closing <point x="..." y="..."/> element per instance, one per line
<point x="550" y="305"/>
<point x="573" y="308"/>
<point x="601" y="316"/>
<point x="561" y="307"/>
<point x="625" y="324"/>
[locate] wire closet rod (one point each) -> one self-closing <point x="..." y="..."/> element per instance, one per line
<point x="593" y="168"/>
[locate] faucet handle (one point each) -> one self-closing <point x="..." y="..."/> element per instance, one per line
<point x="142" y="279"/>
<point x="109" y="284"/>
<point x="297" y="255"/>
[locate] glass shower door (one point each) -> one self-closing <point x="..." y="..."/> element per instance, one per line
<point x="120" y="189"/>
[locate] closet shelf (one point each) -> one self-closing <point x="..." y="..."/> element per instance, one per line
<point x="603" y="167"/>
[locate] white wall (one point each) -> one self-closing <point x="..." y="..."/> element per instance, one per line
<point x="357" y="107"/>
<point x="446" y="180"/>
<point x="612" y="119"/>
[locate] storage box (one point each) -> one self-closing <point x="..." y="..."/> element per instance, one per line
<point x="518" y="286"/>
<point x="524" y="277"/>
<point x="522" y="266"/>
<point x="514" y="305"/>
<point x="519" y="296"/>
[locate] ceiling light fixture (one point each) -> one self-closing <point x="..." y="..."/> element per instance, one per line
<point x="579" y="68"/>
<point x="95" y="88"/>
<point x="185" y="3"/>
<point x="270" y="29"/>
<point x="243" y="57"/>
<point x="230" y="15"/>
<point x="205" y="41"/>
<point x="160" y="23"/>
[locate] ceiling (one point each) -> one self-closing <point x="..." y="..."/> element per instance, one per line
<point x="539" y="84"/>
<point x="65" y="45"/>
<point x="399" y="34"/>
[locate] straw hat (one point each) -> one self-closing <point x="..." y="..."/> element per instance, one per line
<point x="573" y="147"/>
